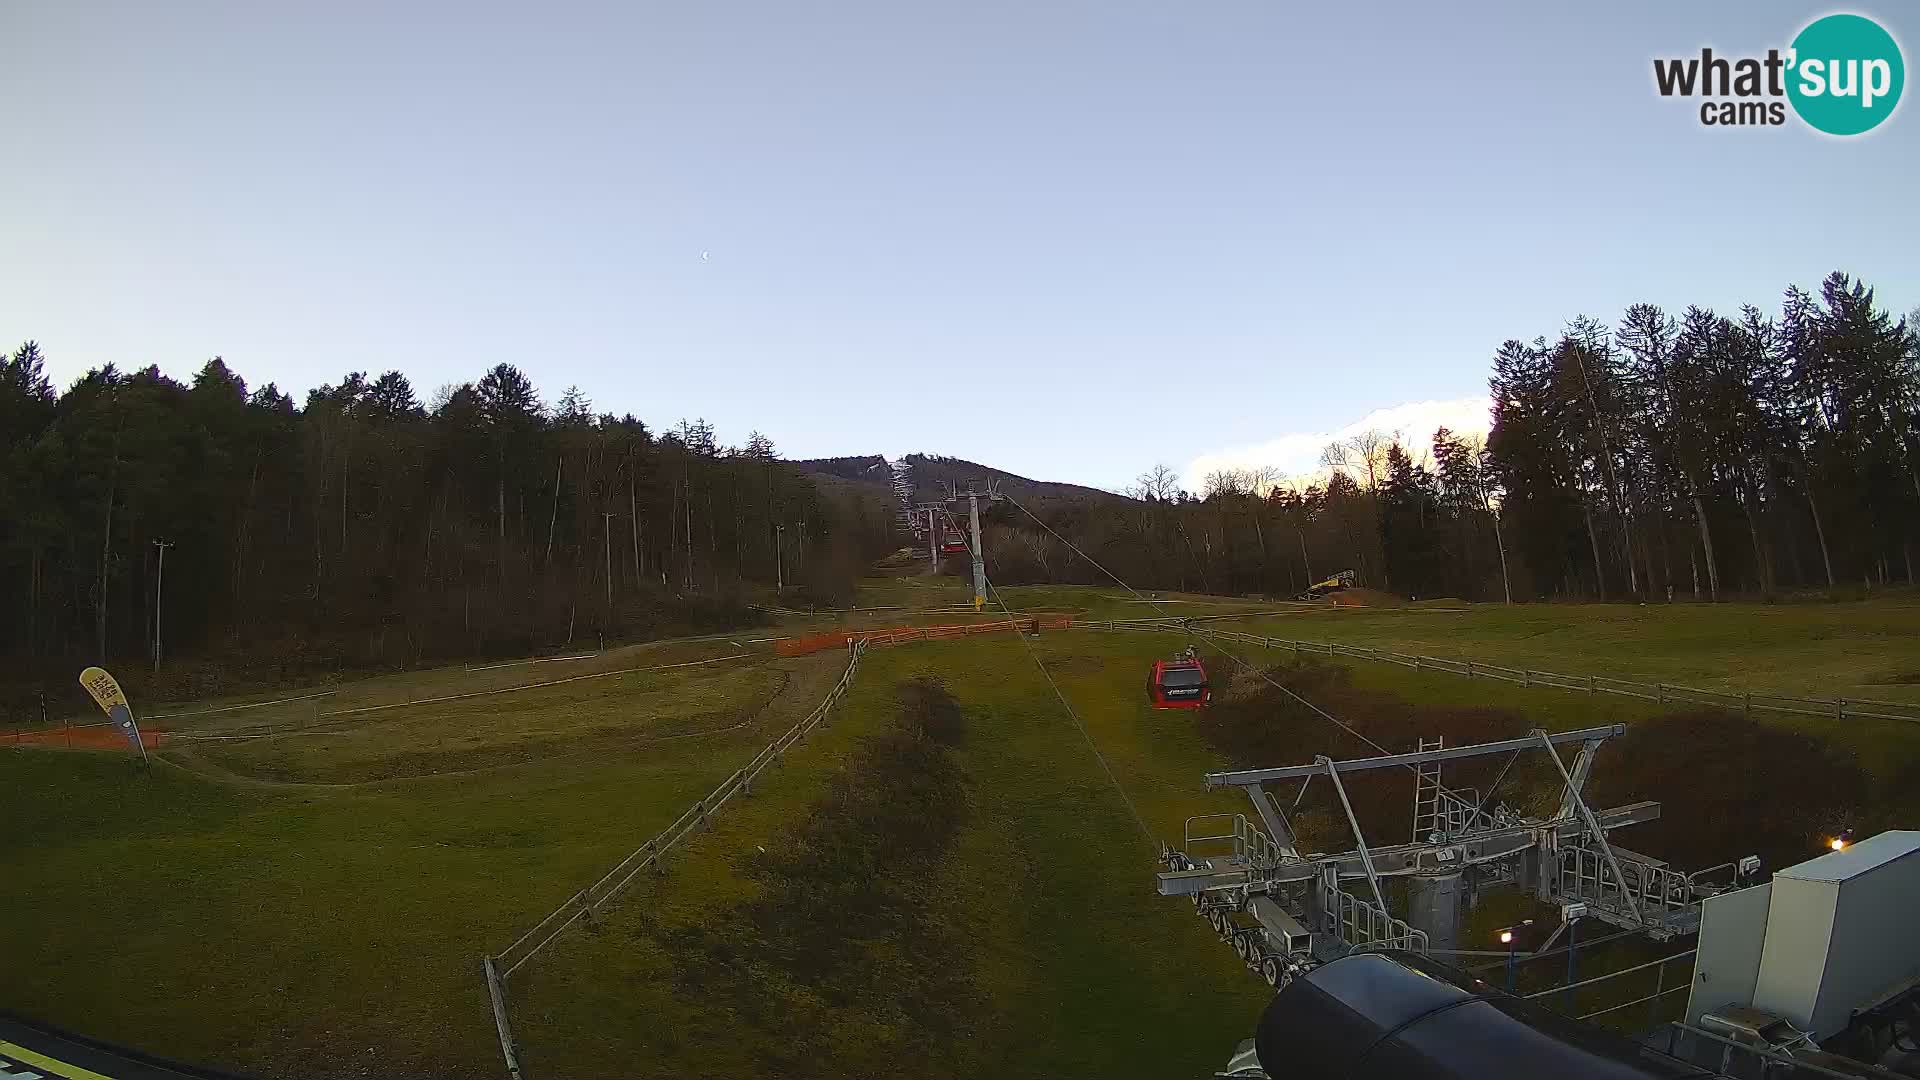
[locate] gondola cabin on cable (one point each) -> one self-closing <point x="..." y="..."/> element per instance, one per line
<point x="1180" y="683"/>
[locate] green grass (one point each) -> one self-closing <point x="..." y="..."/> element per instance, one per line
<point x="256" y="927"/>
<point x="328" y="898"/>
<point x="1854" y="650"/>
<point x="919" y="598"/>
<point x="621" y="712"/>
<point x="1088" y="971"/>
<point x="309" y="705"/>
<point x="1858" y="650"/>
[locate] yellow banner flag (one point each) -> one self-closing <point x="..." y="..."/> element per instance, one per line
<point x="104" y="689"/>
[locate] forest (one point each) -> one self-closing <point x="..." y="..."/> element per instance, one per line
<point x="1690" y="456"/>
<point x="1697" y="456"/>
<point x="257" y="540"/>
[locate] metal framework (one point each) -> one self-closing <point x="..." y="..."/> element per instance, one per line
<point x="976" y="491"/>
<point x="1285" y="911"/>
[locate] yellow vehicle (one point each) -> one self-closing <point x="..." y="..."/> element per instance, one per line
<point x="1342" y="580"/>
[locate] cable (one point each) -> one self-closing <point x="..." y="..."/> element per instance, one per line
<point x="1032" y="654"/>
<point x="1191" y="631"/>
<point x="1270" y="680"/>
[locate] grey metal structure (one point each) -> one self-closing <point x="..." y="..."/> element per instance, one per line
<point x="976" y="491"/>
<point x="1285" y="911"/>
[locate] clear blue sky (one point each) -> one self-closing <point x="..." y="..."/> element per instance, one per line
<point x="1066" y="239"/>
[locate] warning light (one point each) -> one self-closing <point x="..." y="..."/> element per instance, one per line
<point x="1838" y="843"/>
<point x="1506" y="937"/>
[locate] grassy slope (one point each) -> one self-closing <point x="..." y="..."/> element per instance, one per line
<point x="1854" y="649"/>
<point x="264" y="925"/>
<point x="349" y="922"/>
<point x="1088" y="971"/>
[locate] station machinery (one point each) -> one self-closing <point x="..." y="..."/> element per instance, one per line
<point x="1365" y="993"/>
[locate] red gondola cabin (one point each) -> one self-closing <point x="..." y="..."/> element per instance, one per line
<point x="1178" y="684"/>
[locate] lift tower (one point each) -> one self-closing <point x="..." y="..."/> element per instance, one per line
<point x="976" y="491"/>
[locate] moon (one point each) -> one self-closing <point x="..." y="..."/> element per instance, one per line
<point x="704" y="254"/>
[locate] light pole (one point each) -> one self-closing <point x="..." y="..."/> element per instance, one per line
<point x="1571" y="914"/>
<point x="159" y="575"/>
<point x="607" y="520"/>
<point x="1507" y="939"/>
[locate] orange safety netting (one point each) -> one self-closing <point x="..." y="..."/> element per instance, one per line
<point x="87" y="737"/>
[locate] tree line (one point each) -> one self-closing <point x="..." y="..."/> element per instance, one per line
<point x="366" y="528"/>
<point x="1697" y="455"/>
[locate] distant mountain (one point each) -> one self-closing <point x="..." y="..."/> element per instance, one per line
<point x="931" y="472"/>
<point x="928" y="474"/>
<point x="867" y="467"/>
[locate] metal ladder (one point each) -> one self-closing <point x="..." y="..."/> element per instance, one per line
<point x="1426" y="793"/>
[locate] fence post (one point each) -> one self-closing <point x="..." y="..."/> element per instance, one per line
<point x="1526" y="677"/>
<point x="1296" y="646"/>
<point x="1660" y="693"/>
<point x="1746" y="704"/>
<point x="1469" y="668"/>
<point x="498" y="993"/>
<point x="1659" y="984"/>
<point x="1589" y="684"/>
<point x="1840" y="709"/>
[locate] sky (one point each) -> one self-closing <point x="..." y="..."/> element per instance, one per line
<point x="1069" y="240"/>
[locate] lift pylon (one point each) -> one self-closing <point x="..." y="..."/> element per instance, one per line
<point x="976" y="491"/>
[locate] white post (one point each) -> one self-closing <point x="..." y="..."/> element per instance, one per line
<point x="159" y="575"/>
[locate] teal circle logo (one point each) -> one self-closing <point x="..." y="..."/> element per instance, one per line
<point x="1845" y="74"/>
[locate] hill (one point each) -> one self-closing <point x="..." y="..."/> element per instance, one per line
<point x="931" y="471"/>
<point x="862" y="467"/>
<point x="929" y="474"/>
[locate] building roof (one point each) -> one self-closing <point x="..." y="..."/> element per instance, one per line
<point x="1857" y="859"/>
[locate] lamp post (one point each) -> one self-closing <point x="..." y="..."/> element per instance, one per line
<point x="159" y="575"/>
<point x="1571" y="914"/>
<point x="1507" y="939"/>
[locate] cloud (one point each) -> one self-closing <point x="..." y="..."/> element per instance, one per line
<point x="1297" y="454"/>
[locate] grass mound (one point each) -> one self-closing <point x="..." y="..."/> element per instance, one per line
<point x="1730" y="786"/>
<point x="842" y="963"/>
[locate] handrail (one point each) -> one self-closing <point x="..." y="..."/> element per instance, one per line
<point x="588" y="902"/>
